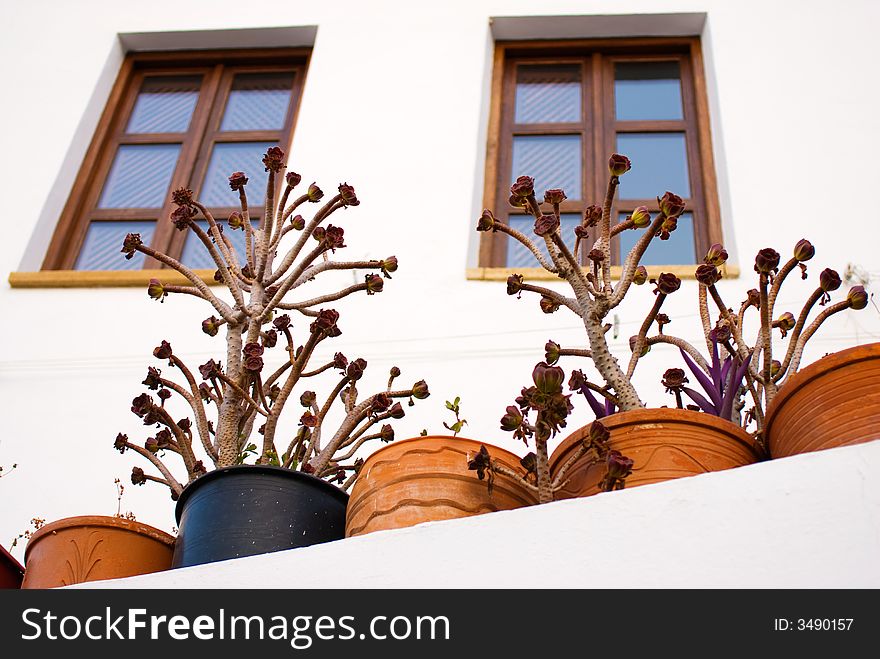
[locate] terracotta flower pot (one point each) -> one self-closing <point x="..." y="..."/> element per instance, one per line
<point x="832" y="402"/>
<point x="664" y="443"/>
<point x="11" y="571"/>
<point x="93" y="548"/>
<point x="426" y="479"/>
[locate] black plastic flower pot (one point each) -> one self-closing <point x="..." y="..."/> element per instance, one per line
<point x="255" y="509"/>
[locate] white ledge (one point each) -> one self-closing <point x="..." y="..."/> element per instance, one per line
<point x="809" y="521"/>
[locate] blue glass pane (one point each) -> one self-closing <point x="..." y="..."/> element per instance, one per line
<point x="554" y="161"/>
<point x="647" y="90"/>
<point x="678" y="250"/>
<point x="659" y="163"/>
<point x="195" y="254"/>
<point x="102" y="247"/>
<point x="230" y="157"/>
<point x="258" y="102"/>
<point x="164" y="105"/>
<point x="519" y="256"/>
<point x="548" y="94"/>
<point x="140" y="176"/>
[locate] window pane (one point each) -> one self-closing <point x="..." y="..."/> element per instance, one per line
<point x="519" y="256"/>
<point x="102" y="247"/>
<point x="678" y="250"/>
<point x="554" y="161"/>
<point x="164" y="105"/>
<point x="548" y="94"/>
<point x="139" y="176"/>
<point x="647" y="90"/>
<point x="195" y="254"/>
<point x="227" y="158"/>
<point x="258" y="102"/>
<point x="659" y="163"/>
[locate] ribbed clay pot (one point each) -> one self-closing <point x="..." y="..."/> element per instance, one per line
<point x="664" y="443"/>
<point x="832" y="402"/>
<point x="255" y="509"/>
<point x="94" y="548"/>
<point x="11" y="571"/>
<point x="426" y="479"/>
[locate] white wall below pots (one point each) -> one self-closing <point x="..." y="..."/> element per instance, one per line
<point x="809" y="521"/>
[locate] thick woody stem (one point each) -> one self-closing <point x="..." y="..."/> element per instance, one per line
<point x="314" y="270"/>
<point x="605" y="234"/>
<point x="266" y="227"/>
<point x="186" y="290"/>
<point x="705" y="318"/>
<point x="575" y="352"/>
<point x="293" y="252"/>
<point x="622" y="226"/>
<point x="222" y="308"/>
<point x="184" y="443"/>
<point x="796" y="332"/>
<point x="807" y="333"/>
<point x="360" y="442"/>
<point x="243" y="394"/>
<point x="556" y="297"/>
<point x="172" y="482"/>
<point x="573" y="265"/>
<point x="291" y="281"/>
<point x="766" y="342"/>
<point x="545" y="490"/>
<point x="330" y="297"/>
<point x="195" y="403"/>
<point x="248" y="229"/>
<point x="230" y="413"/>
<point x="560" y="479"/>
<point x="225" y="259"/>
<point x="632" y="261"/>
<point x="643" y="333"/>
<point x="499" y="468"/>
<point x="777" y="283"/>
<point x="524" y="240"/>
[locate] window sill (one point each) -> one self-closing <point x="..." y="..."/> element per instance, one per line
<point x="539" y="274"/>
<point x="101" y="278"/>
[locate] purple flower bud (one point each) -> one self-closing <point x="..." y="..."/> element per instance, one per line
<point x="551" y="352"/>
<point x="388" y="266"/>
<point x="211" y="326"/>
<point x="164" y="394"/>
<point x="716" y="255"/>
<point x="707" y="274"/>
<point x="804" y="250"/>
<point x="720" y="333"/>
<point x="356" y="368"/>
<point x="253" y="349"/>
<point x="767" y="261"/>
<point x="618" y="165"/>
<point x="282" y="322"/>
<point x="394" y="372"/>
<point x="666" y="283"/>
<point x="155" y="290"/>
<point x="671" y="205"/>
<point x="554" y="196"/>
<point x="754" y="298"/>
<point x="374" y="283"/>
<point x="514" y="284"/>
<point x="349" y="198"/>
<point x="308" y="398"/>
<point x="523" y="187"/>
<point x="298" y="222"/>
<point x="548" y="305"/>
<point x="632" y="346"/>
<point x="137" y="476"/>
<point x="674" y="379"/>
<point x="829" y="280"/>
<point x="184" y="424"/>
<point x="577" y="381"/>
<point x="270" y="339"/>
<point x="210" y="369"/>
<point x="596" y="255"/>
<point x="546" y="224"/>
<point x="333" y="237"/>
<point x="386" y="434"/>
<point x="120" y="442"/>
<point x="857" y="298"/>
<point x="775" y="365"/>
<point x="237" y="181"/>
<point x="641" y="217"/>
<point x="548" y="379"/>
<point x="182" y="217"/>
<point x="274" y="159"/>
<point x="420" y="390"/>
<point x="668" y="225"/>
<point x="315" y="193"/>
<point x="153" y="379"/>
<point x="325" y="322"/>
<point x="592" y="215"/>
<point x="130" y="245"/>
<point x="397" y="411"/>
<point x="486" y="221"/>
<point x="162" y="351"/>
<point x="252" y="363"/>
<point x="599" y="434"/>
<point x="308" y="420"/>
<point x="151" y="445"/>
<point x="380" y="403"/>
<point x="619" y="466"/>
<point x="293" y="179"/>
<point x="512" y="419"/>
<point x="235" y="221"/>
<point x="340" y="361"/>
<point x="785" y="323"/>
<point x="141" y="405"/>
<point x="182" y="197"/>
<point x="640" y="276"/>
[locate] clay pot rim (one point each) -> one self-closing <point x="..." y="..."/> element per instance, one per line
<point x="409" y="440"/>
<point x="320" y="483"/>
<point x="845" y="357"/>
<point x="659" y="415"/>
<point x="103" y="521"/>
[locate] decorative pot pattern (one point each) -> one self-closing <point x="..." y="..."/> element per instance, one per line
<point x="664" y="444"/>
<point x="93" y="548"/>
<point x="426" y="479"/>
<point x="832" y="402"/>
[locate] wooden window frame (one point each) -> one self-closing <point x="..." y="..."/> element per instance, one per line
<point x="598" y="56"/>
<point x="218" y="68"/>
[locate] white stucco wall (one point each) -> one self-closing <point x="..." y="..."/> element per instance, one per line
<point x="742" y="528"/>
<point x="395" y="103"/>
